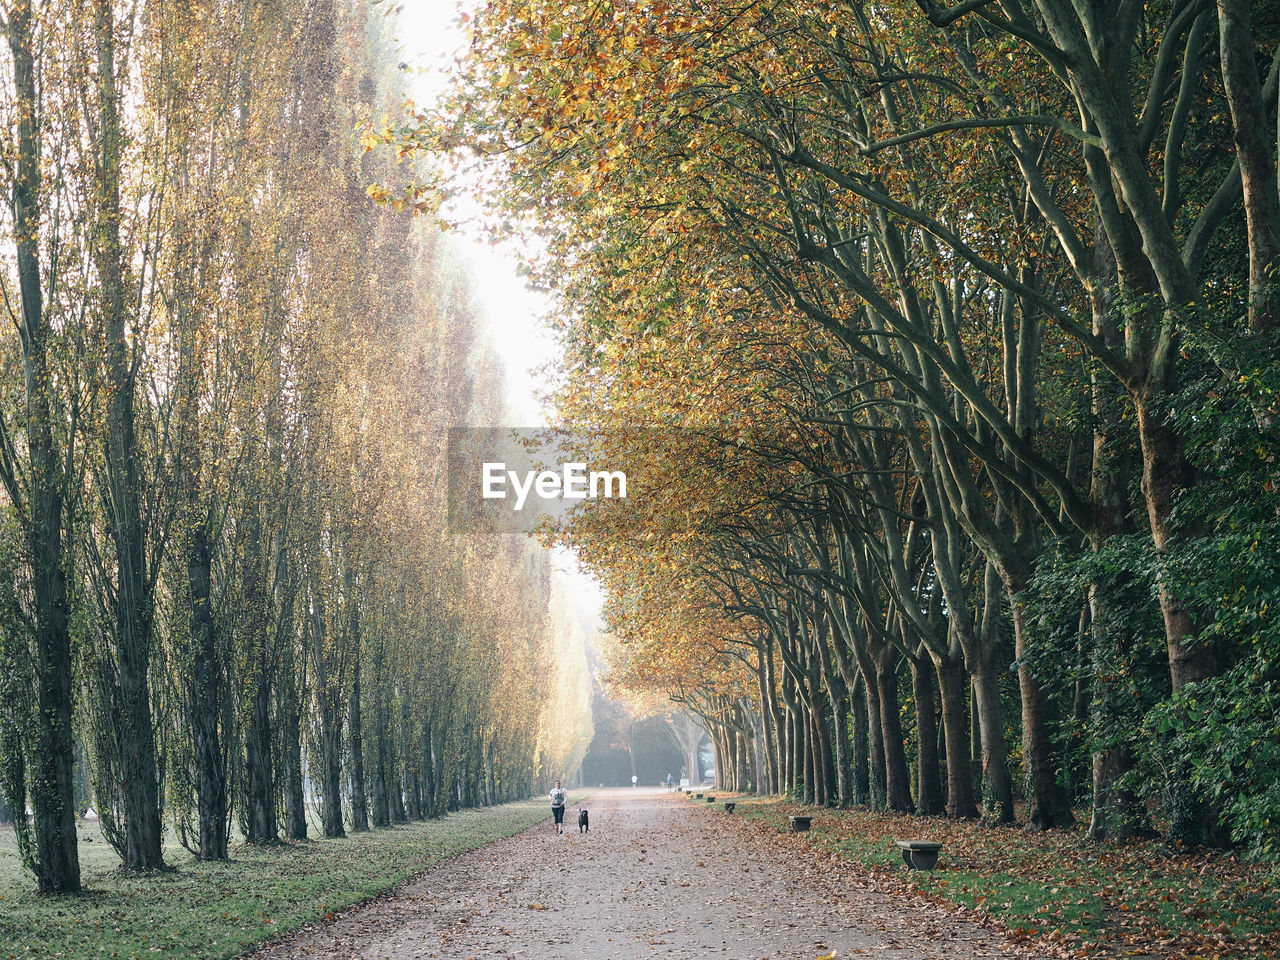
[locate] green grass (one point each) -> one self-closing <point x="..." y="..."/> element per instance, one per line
<point x="1103" y="900"/>
<point x="216" y="910"/>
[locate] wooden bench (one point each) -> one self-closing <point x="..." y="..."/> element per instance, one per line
<point x="697" y="796"/>
<point x="919" y="854"/>
<point x="728" y="806"/>
<point x="800" y="824"/>
<point x="710" y="799"/>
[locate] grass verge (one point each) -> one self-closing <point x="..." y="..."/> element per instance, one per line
<point x="1059" y="890"/>
<point x="205" y="911"/>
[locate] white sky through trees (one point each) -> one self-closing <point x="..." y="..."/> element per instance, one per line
<point x="431" y="39"/>
<point x="515" y="316"/>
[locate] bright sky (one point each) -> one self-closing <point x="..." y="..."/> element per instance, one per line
<point x="431" y="39"/>
<point x="514" y="314"/>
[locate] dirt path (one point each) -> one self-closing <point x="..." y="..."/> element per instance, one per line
<point x="657" y="876"/>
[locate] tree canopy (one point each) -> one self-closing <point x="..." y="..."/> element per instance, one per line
<point x="229" y="588"/>
<point x="940" y="345"/>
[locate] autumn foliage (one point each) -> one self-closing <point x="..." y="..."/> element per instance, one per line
<point x="229" y="596"/>
<point x="941" y="346"/>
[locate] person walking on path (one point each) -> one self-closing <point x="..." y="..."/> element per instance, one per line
<point x="558" y="798"/>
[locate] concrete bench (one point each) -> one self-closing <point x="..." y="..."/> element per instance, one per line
<point x="919" y="854"/>
<point x="800" y="824"/>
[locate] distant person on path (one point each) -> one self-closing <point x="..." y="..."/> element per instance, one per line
<point x="669" y="781"/>
<point x="558" y="798"/>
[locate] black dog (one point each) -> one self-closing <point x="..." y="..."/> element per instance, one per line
<point x="584" y="823"/>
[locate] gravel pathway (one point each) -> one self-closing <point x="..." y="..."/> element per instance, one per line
<point x="657" y="876"/>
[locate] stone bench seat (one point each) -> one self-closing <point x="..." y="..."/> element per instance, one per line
<point x="919" y="854"/>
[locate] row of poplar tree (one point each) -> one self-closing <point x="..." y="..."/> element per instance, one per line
<point x="952" y="332"/>
<point x="228" y="593"/>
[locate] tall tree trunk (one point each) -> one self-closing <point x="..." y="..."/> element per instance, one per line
<point x="861" y="746"/>
<point x="1164" y="472"/>
<point x="754" y="754"/>
<point x="416" y="809"/>
<point x="824" y="769"/>
<point x="866" y="682"/>
<point x="842" y="753"/>
<point x="355" y="730"/>
<point x="954" y="693"/>
<point x="331" y="769"/>
<point x="1243" y="87"/>
<point x="206" y="702"/>
<point x="260" y="809"/>
<point x="289" y="710"/>
<point x="1047" y="801"/>
<point x="394" y="781"/>
<point x="395" y="796"/>
<point x="997" y="783"/>
<point x="1116" y="812"/>
<point x="929" y="799"/>
<point x="51" y="773"/>
<point x="411" y="761"/>
<point x="897" y="779"/>
<point x="134" y="611"/>
<point x="879" y="784"/>
<point x="840" y="791"/>
<point x="431" y="799"/>
<point x="806" y="766"/>
<point x="381" y="807"/>
<point x="259" y="788"/>
<point x="774" y="714"/>
<point x="793" y="762"/>
<point x="327" y="703"/>
<point x="444" y="780"/>
<point x="765" y="742"/>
